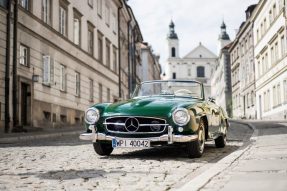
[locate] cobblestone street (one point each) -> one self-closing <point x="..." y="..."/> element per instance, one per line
<point x="70" y="164"/>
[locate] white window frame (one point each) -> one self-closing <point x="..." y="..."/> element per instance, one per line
<point x="63" y="20"/>
<point x="76" y="30"/>
<point x="24" y="54"/>
<point x="78" y="83"/>
<point x="46" y="70"/>
<point x="63" y="78"/>
<point x="46" y="11"/>
<point x="25" y="4"/>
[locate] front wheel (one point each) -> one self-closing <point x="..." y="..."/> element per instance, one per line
<point x="103" y="149"/>
<point x="195" y="148"/>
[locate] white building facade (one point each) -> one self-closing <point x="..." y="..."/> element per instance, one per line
<point x="196" y="65"/>
<point x="221" y="78"/>
<point x="270" y="59"/>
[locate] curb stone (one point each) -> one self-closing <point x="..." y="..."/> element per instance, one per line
<point x="201" y="180"/>
<point x="38" y="136"/>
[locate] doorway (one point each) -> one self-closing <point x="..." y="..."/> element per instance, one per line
<point x="25" y="104"/>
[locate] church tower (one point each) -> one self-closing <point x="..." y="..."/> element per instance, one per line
<point x="173" y="42"/>
<point x="223" y="38"/>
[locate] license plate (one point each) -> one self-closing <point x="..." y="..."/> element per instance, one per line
<point x="130" y="143"/>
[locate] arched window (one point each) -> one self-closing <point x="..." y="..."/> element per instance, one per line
<point x="200" y="72"/>
<point x="172" y="52"/>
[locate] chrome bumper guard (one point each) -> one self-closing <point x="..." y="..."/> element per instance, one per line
<point x="169" y="138"/>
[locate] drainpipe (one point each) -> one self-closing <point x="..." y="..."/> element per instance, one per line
<point x="14" y="67"/>
<point x="7" y="68"/>
<point x="119" y="51"/>
<point x="129" y="60"/>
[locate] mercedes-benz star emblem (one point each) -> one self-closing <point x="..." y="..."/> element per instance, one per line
<point x="132" y="124"/>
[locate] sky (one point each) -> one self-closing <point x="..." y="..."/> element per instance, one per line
<point x="195" y="21"/>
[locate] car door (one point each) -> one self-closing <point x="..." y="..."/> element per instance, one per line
<point x="213" y="116"/>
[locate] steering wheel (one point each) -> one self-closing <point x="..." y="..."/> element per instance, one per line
<point x="183" y="91"/>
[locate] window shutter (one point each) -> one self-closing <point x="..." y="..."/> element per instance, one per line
<point x="46" y="70"/>
<point x="52" y="72"/>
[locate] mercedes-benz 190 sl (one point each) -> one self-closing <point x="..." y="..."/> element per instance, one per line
<point x="159" y="113"/>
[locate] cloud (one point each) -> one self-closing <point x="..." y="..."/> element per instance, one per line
<point x="195" y="21"/>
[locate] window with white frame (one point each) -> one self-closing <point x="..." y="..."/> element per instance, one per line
<point x="63" y="78"/>
<point x="90" y="39"/>
<point x="100" y="7"/>
<point x="279" y="94"/>
<point x="107" y="14"/>
<point x="114" y="23"/>
<point x="283" y="46"/>
<point x="115" y="60"/>
<point x="91" y="90"/>
<point x="108" y="53"/>
<point x="78" y="85"/>
<point x="100" y="93"/>
<point x="268" y="100"/>
<point x="276" y="51"/>
<point x="274" y="96"/>
<point x="285" y="90"/>
<point x="24" y="55"/>
<point x="47" y="70"/>
<point x="46" y="11"/>
<point x="100" y="47"/>
<point x="25" y="4"/>
<point x="77" y="28"/>
<point x="91" y="3"/>
<point x="63" y="20"/>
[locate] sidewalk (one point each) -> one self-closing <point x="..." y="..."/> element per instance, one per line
<point x="39" y="133"/>
<point x="260" y="164"/>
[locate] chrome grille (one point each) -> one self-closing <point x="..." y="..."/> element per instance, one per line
<point x="145" y="125"/>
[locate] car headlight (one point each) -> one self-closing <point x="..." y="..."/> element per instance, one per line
<point x="92" y="115"/>
<point x="180" y="116"/>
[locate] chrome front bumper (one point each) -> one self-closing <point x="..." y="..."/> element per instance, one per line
<point x="169" y="138"/>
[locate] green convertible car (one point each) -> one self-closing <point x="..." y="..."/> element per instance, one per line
<point x="159" y="112"/>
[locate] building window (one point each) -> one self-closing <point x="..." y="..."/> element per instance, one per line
<point x="91" y="90"/>
<point x="272" y="56"/>
<point x="108" y="95"/>
<point x="100" y="47"/>
<point x="63" y="77"/>
<point x="279" y="94"/>
<point x="276" y="52"/>
<point x="63" y="20"/>
<point x="100" y="7"/>
<point x="24" y="55"/>
<point x="78" y="85"/>
<point x="107" y="15"/>
<point x="115" y="63"/>
<point x="108" y="54"/>
<point x="285" y="90"/>
<point x="189" y="72"/>
<point x="172" y="52"/>
<point x="46" y="11"/>
<point x="90" y="39"/>
<point x="100" y="93"/>
<point x="200" y="72"/>
<point x="47" y="70"/>
<point x="274" y="97"/>
<point x="173" y="75"/>
<point x="283" y="46"/>
<point x="25" y="4"/>
<point x="91" y="3"/>
<point x="77" y="28"/>
<point x="114" y="23"/>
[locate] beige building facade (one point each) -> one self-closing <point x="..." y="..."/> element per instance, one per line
<point x="270" y="59"/>
<point x="243" y="70"/>
<point x="67" y="60"/>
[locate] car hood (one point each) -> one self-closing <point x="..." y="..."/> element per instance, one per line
<point x="148" y="106"/>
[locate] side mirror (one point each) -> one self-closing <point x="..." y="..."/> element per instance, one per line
<point x="211" y="99"/>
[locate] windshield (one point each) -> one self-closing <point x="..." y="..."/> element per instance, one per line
<point x="170" y="88"/>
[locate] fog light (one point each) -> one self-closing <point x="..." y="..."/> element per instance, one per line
<point x="180" y="129"/>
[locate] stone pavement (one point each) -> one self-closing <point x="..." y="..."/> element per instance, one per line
<point x="39" y="133"/>
<point x="262" y="166"/>
<point x="66" y="163"/>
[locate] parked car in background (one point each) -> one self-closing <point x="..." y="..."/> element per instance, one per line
<point x="159" y="112"/>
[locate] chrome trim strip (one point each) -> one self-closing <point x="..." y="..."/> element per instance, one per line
<point x="141" y="125"/>
<point x="103" y="137"/>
